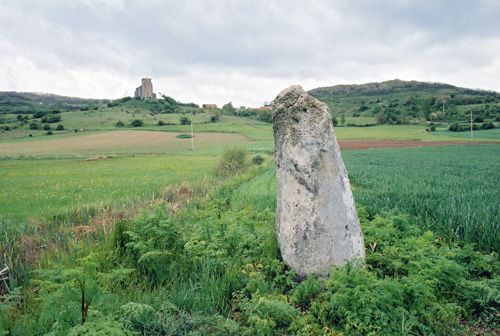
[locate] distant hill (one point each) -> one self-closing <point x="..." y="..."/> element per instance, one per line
<point x="397" y="101"/>
<point x="29" y="102"/>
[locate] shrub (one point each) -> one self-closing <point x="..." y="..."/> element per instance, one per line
<point x="161" y="123"/>
<point x="267" y="315"/>
<point x="51" y="119"/>
<point x="46" y="127"/>
<point x="265" y="115"/>
<point x="39" y="114"/>
<point x="184" y="120"/>
<point x="231" y="162"/>
<point x="137" y="123"/>
<point x="34" y="126"/>
<point x="60" y="127"/>
<point x="488" y="125"/>
<point x="257" y="159"/>
<point x="455" y="127"/>
<point x="479" y="119"/>
<point x="119" y="123"/>
<point x="49" y="133"/>
<point x="215" y="118"/>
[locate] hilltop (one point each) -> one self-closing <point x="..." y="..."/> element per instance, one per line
<point x="400" y="102"/>
<point x="27" y="102"/>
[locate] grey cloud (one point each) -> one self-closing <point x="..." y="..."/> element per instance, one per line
<point x="260" y="39"/>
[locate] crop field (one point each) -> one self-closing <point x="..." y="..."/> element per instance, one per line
<point x="452" y="190"/>
<point x="45" y="188"/>
<point x="120" y="142"/>
<point x="443" y="192"/>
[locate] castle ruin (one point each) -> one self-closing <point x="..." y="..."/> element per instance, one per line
<point x="145" y="91"/>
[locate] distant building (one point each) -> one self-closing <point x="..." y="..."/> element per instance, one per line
<point x="209" y="106"/>
<point x="266" y="107"/>
<point x="145" y="91"/>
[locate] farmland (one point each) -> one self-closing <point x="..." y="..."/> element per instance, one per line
<point x="214" y="267"/>
<point x="165" y="243"/>
<point x="46" y="188"/>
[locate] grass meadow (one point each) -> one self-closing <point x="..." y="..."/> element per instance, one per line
<point x="51" y="187"/>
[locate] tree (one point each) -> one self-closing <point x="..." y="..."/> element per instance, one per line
<point x="60" y="127"/>
<point x="184" y="120"/>
<point x="34" y="126"/>
<point x="228" y="109"/>
<point x="119" y="123"/>
<point x="137" y="123"/>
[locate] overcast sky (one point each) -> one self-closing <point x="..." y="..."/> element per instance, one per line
<point x="216" y="51"/>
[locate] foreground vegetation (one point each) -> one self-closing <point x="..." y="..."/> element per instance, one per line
<point x="204" y="260"/>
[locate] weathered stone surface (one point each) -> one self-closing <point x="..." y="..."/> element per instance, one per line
<point x="316" y="221"/>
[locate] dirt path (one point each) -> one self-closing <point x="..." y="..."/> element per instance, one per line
<point x="364" y="144"/>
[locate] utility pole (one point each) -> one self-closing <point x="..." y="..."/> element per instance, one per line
<point x="471" y="128"/>
<point x="192" y="133"/>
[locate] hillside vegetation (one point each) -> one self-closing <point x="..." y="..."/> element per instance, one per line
<point x="400" y="102"/>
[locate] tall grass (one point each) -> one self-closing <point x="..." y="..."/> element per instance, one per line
<point x="452" y="190"/>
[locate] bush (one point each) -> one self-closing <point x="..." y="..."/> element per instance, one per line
<point x="34" y="126"/>
<point x="455" y="127"/>
<point x="215" y="118"/>
<point x="49" y="133"/>
<point x="46" y="127"/>
<point x="39" y="114"/>
<point x="119" y="123"/>
<point x="257" y="159"/>
<point x="137" y="123"/>
<point x="184" y="120"/>
<point x="60" y="127"/>
<point x="479" y="119"/>
<point x="265" y="115"/>
<point x="161" y="123"/>
<point x="231" y="162"/>
<point x="51" y="119"/>
<point x="488" y="125"/>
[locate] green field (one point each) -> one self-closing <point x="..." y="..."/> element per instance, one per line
<point x="46" y="188"/>
<point x="452" y="190"/>
<point x="214" y="267"/>
<point x="492" y="134"/>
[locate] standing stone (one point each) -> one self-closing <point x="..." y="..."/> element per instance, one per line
<point x="316" y="221"/>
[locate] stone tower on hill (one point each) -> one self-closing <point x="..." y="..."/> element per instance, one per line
<point x="145" y="91"/>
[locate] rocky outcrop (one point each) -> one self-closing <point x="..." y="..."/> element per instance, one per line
<point x="316" y="221"/>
